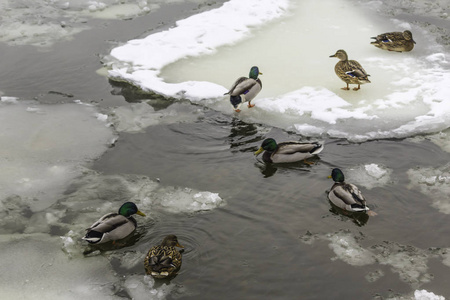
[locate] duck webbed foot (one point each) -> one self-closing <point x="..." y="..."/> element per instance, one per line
<point x="250" y="105"/>
<point x="357" y="88"/>
<point x="308" y="162"/>
<point x="345" y="88"/>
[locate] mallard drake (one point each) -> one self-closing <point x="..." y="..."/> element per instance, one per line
<point x="113" y="226"/>
<point x="164" y="261"/>
<point x="350" y="71"/>
<point x="245" y="89"/>
<point x="288" y="152"/>
<point x="394" y="41"/>
<point x="346" y="196"/>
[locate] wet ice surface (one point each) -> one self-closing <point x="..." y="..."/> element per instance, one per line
<point x="40" y="163"/>
<point x="433" y="184"/>
<point x="137" y="117"/>
<point x="407" y="94"/>
<point x="369" y="175"/>
<point x="41" y="23"/>
<point x="46" y="188"/>
<point x="408" y="262"/>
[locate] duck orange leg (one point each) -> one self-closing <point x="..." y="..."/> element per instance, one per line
<point x="345" y="88"/>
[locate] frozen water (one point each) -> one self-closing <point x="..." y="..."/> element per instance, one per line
<point x="407" y="94"/>
<point x="41" y="22"/>
<point x="138" y="116"/>
<point x="45" y="149"/>
<point x="38" y="157"/>
<point x="425" y="295"/>
<point x="409" y="262"/>
<point x="197" y="35"/>
<point x="31" y="260"/>
<point x="434" y="184"/>
<point x="347" y="249"/>
<point x="96" y="194"/>
<point x="141" y="288"/>
<point x="441" y="139"/>
<point x="369" y="175"/>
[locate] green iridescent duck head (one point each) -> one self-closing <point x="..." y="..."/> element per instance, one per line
<point x="269" y="145"/>
<point x="337" y="175"/>
<point x="254" y="72"/>
<point x="129" y="208"/>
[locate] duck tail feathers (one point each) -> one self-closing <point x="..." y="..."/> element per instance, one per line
<point x="317" y="149"/>
<point x="235" y="101"/>
<point x="157" y="263"/>
<point x="93" y="237"/>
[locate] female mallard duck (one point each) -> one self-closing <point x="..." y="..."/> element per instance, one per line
<point x="245" y="89"/>
<point x="287" y="152"/>
<point x="346" y="196"/>
<point x="395" y="41"/>
<point x="164" y="261"/>
<point x="350" y="71"/>
<point x="113" y="226"/>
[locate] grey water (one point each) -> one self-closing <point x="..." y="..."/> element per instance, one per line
<point x="276" y="236"/>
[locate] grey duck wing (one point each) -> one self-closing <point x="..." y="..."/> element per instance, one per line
<point x="293" y="147"/>
<point x="243" y="86"/>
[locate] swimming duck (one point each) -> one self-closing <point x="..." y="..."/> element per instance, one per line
<point x="164" y="261"/>
<point x="350" y="71"/>
<point x="287" y="152"/>
<point x="346" y="196"/>
<point x="245" y="89"/>
<point x="113" y="226"/>
<point x="394" y="41"/>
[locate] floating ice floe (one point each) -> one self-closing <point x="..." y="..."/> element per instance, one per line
<point x="369" y="175"/>
<point x="95" y="194"/>
<point x="41" y="23"/>
<point x="136" y="117"/>
<point x="347" y="249"/>
<point x="141" y="61"/>
<point x="410" y="263"/>
<point x="441" y="139"/>
<point x="36" y="270"/>
<point x="38" y="157"/>
<point x="51" y="274"/>
<point x="200" y="57"/>
<point x="434" y="184"/>
<point x="425" y="295"/>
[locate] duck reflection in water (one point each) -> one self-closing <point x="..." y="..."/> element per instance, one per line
<point x="359" y="218"/>
<point x="241" y="135"/>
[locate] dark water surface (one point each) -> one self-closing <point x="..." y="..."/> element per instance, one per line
<point x="256" y="246"/>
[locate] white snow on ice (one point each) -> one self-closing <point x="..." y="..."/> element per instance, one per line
<point x="425" y="295"/>
<point x="202" y="56"/>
